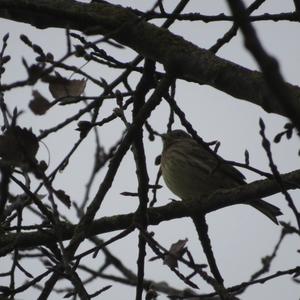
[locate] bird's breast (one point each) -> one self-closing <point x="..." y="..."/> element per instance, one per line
<point x="186" y="178"/>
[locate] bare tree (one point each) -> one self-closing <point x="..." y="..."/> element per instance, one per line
<point x="135" y="100"/>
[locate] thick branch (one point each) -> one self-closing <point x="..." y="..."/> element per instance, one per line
<point x="174" y="210"/>
<point x="188" y="61"/>
<point x="267" y="63"/>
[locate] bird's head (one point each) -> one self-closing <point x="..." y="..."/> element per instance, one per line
<point x="173" y="137"/>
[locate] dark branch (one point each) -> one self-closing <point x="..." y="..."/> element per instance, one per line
<point x="218" y="200"/>
<point x="188" y="61"/>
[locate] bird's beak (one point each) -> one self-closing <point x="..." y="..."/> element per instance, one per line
<point x="163" y="136"/>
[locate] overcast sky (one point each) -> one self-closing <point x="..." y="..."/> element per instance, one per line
<point x="240" y="235"/>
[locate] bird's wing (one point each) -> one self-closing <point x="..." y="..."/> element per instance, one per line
<point x="231" y="171"/>
<point x="216" y="163"/>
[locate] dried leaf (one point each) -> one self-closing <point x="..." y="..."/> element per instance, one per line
<point x="35" y="72"/>
<point x="63" y="197"/>
<point x="39" y="104"/>
<point x="67" y="89"/>
<point x="18" y="145"/>
<point x="84" y="127"/>
<point x="176" y="251"/>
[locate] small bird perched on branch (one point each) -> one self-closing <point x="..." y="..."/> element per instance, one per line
<point x="192" y="172"/>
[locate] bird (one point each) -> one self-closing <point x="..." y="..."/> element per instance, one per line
<point x="192" y="171"/>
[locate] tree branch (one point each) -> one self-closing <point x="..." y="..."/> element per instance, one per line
<point x="188" y="61"/>
<point x="267" y="63"/>
<point x="218" y="200"/>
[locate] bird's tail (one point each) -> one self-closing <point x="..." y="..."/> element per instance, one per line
<point x="269" y="210"/>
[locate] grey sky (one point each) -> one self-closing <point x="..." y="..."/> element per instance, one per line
<point x="240" y="236"/>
